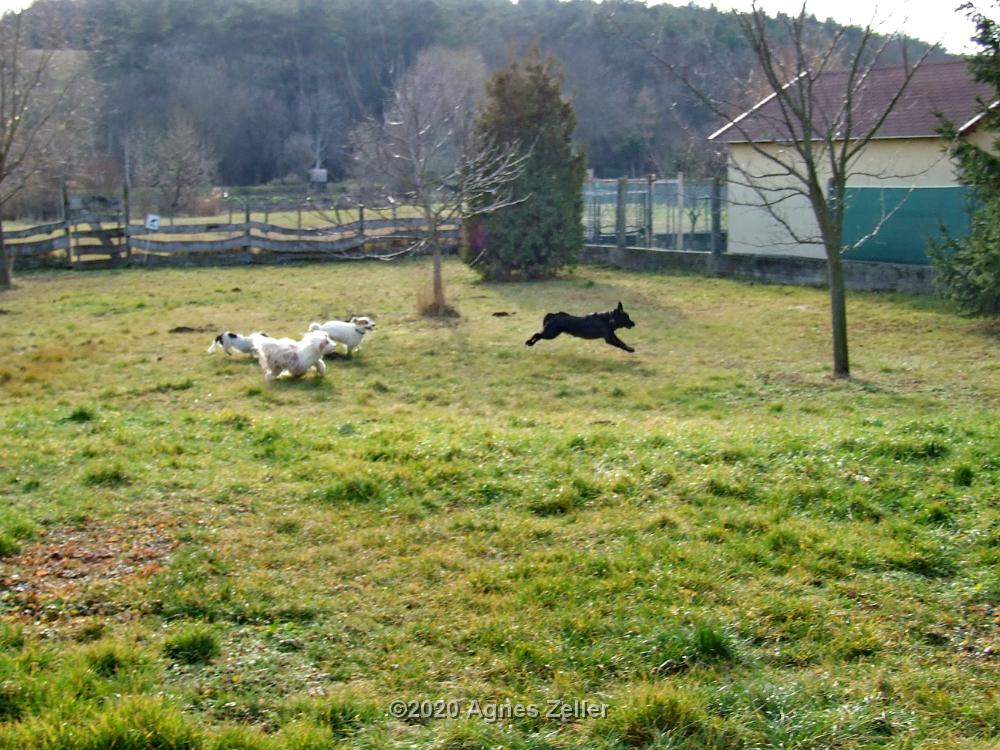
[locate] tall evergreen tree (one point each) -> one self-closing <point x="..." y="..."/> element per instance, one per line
<point x="544" y="231"/>
<point x="969" y="267"/>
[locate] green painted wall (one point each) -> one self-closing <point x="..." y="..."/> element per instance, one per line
<point x="904" y="237"/>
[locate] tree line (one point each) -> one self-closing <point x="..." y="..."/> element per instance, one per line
<point x="264" y="89"/>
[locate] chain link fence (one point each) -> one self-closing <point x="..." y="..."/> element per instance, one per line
<point x="668" y="214"/>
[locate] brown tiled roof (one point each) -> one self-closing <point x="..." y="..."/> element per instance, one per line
<point x="944" y="87"/>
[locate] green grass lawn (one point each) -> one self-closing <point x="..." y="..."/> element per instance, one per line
<point x="711" y="537"/>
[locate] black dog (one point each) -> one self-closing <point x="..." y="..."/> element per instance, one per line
<point x="593" y="326"/>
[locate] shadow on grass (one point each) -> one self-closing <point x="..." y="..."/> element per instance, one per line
<point x="605" y="359"/>
<point x="989" y="328"/>
<point x="309" y="383"/>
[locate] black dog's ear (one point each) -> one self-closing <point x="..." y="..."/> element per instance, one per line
<point x="619" y="304"/>
<point x="230" y="334"/>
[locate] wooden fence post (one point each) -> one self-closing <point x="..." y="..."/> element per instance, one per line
<point x="620" y="214"/>
<point x="67" y="225"/>
<point x="246" y="231"/>
<point x="125" y="220"/>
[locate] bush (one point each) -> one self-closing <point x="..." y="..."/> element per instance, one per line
<point x="968" y="269"/>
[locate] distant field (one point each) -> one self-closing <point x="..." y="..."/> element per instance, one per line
<point x="712" y="537"/>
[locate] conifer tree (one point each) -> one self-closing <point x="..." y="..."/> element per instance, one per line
<point x="543" y="232"/>
<point x="969" y="267"/>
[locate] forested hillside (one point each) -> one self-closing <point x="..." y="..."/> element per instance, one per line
<point x="271" y="87"/>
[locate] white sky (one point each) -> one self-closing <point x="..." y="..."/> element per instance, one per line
<point x="6" y="5"/>
<point x="929" y="20"/>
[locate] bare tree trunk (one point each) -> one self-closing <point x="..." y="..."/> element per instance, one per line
<point x="6" y="262"/>
<point x="838" y="315"/>
<point x="439" y="303"/>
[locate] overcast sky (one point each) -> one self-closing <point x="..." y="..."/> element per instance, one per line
<point x="929" y="20"/>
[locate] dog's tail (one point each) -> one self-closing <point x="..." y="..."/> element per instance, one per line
<point x="315" y="327"/>
<point x="216" y="343"/>
<point x="547" y="318"/>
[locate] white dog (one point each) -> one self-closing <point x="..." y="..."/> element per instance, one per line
<point x="256" y="339"/>
<point x="227" y="341"/>
<point x="349" y="333"/>
<point x="296" y="358"/>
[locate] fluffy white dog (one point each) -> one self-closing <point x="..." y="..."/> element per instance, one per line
<point x="295" y="358"/>
<point x="228" y="341"/>
<point x="256" y="339"/>
<point x="350" y="333"/>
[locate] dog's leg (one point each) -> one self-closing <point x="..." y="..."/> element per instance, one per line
<point x="320" y="367"/>
<point x="545" y="333"/>
<point x="615" y="341"/>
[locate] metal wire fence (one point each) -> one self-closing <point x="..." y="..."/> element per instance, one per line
<point x="666" y="214"/>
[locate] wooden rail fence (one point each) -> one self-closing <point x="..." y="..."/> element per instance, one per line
<point x="98" y="242"/>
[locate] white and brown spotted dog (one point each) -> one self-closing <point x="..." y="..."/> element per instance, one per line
<point x="350" y="333"/>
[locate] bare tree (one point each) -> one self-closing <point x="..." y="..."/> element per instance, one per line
<point x="807" y="138"/>
<point x="321" y="114"/>
<point x="424" y="150"/>
<point x="37" y="96"/>
<point x="174" y="164"/>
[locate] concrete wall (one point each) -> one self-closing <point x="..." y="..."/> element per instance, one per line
<point x="859" y="275"/>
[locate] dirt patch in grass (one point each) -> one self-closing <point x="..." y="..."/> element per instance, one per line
<point x="52" y="577"/>
<point x="192" y="329"/>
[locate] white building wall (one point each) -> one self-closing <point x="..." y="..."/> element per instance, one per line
<point x="888" y="163"/>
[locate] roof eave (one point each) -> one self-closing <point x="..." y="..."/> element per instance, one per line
<point x="974" y="122"/>
<point x="928" y="136"/>
<point x="753" y="109"/>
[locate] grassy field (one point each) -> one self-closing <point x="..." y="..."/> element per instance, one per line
<point x="710" y="537"/>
